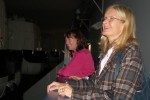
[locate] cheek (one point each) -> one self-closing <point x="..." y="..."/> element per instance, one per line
<point x="75" y="42"/>
<point x="117" y="29"/>
<point x="68" y="41"/>
<point x="120" y="29"/>
<point x="75" y="45"/>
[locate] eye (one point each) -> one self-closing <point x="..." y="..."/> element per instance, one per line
<point x="111" y="18"/>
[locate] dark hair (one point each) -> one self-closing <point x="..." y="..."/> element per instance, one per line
<point x="81" y="40"/>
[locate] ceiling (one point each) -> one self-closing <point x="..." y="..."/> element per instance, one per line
<point x="49" y="14"/>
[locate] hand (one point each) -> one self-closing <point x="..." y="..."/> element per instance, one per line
<point x="54" y="86"/>
<point x="67" y="53"/>
<point x="75" y="78"/>
<point x="63" y="88"/>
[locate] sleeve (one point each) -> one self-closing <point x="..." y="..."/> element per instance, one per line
<point x="81" y="89"/>
<point x="74" y="66"/>
<point x="85" y="90"/>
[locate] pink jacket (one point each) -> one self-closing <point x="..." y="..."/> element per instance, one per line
<point x="81" y="65"/>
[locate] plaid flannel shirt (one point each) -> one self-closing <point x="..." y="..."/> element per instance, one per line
<point x="104" y="87"/>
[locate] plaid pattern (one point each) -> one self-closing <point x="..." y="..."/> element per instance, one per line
<point x="103" y="87"/>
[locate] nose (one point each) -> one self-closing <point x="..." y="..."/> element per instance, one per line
<point x="105" y="20"/>
<point x="66" y="42"/>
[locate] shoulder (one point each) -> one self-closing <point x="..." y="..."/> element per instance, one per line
<point x="84" y="51"/>
<point x="130" y="48"/>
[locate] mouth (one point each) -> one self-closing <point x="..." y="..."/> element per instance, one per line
<point x="105" y="28"/>
<point x="68" y="46"/>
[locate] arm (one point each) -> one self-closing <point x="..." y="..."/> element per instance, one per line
<point x="129" y="74"/>
<point x="81" y="65"/>
<point x="85" y="89"/>
<point x="70" y="90"/>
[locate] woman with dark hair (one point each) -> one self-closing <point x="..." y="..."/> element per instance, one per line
<point x="81" y="64"/>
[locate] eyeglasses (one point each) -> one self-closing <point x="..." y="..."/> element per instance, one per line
<point x="111" y="18"/>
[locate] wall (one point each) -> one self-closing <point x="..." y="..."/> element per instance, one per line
<point x="23" y="35"/>
<point x="53" y="39"/>
<point x="3" y="26"/>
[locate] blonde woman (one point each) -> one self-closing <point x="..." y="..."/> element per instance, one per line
<point x="118" y="35"/>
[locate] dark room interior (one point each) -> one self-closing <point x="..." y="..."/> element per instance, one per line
<point x="42" y="24"/>
<point x="32" y="40"/>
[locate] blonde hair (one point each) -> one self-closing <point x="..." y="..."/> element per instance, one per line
<point x="128" y="33"/>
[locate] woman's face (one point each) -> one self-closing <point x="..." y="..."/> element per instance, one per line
<point x="112" y="25"/>
<point x="71" y="43"/>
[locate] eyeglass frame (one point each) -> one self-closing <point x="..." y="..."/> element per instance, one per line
<point x="111" y="18"/>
